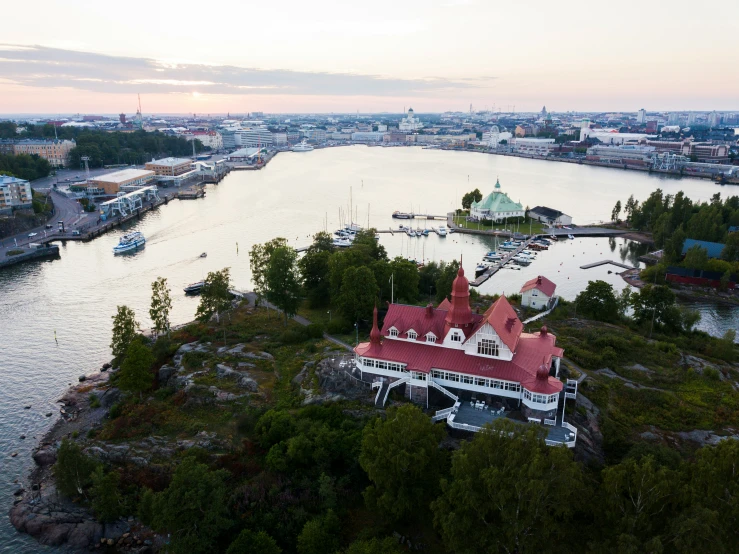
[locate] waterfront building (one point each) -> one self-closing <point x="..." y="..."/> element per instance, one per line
<point x="549" y="216"/>
<point x="496" y="206"/>
<point x="170" y="167"/>
<point x="641" y="116"/>
<point x="612" y="136"/>
<point x="538" y="293"/>
<point x="464" y="355"/>
<point x="56" y="152"/>
<point x="367" y="136"/>
<point x="315" y="135"/>
<point x="209" y="139"/>
<point x="230" y="139"/>
<point x="14" y="194"/>
<point x="704" y="152"/>
<point x="533" y="146"/>
<point x="631" y="155"/>
<point x="713" y="249"/>
<point x="714" y="119"/>
<point x="123" y="180"/>
<point x="410" y="122"/>
<point x="255" y="136"/>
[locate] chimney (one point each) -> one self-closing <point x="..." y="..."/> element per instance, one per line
<point x="429" y="309"/>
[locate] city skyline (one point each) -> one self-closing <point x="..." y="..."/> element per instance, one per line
<point x="329" y="57"/>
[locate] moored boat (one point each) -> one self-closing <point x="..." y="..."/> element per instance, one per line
<point x="402" y="215"/>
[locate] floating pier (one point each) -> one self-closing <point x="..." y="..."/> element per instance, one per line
<point x="604" y="262"/>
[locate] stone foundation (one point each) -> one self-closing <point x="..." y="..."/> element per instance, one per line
<point x="538" y="414"/>
<point x="418" y="395"/>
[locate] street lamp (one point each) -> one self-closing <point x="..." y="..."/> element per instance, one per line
<point x="329" y="315"/>
<point x="356" y="328"/>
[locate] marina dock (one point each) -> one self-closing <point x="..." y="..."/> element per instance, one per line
<point x="488" y="273"/>
<point x="604" y="262"/>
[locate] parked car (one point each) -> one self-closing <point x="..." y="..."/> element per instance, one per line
<point x="31" y="235"/>
<point x="49" y="225"/>
<point x="75" y="233"/>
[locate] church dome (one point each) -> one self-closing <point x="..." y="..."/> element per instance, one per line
<point x="460" y="286"/>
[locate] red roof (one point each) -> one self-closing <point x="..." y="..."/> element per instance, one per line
<point x="445" y="305"/>
<point x="421" y="320"/>
<point x="540" y="283"/>
<point x="504" y="320"/>
<point x="533" y="350"/>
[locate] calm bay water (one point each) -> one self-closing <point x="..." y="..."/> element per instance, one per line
<point x="76" y="296"/>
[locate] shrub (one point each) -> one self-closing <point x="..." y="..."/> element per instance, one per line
<point x="115" y="410"/>
<point x="194" y="360"/>
<point x="293" y="336"/>
<point x="14" y="252"/>
<point x="107" y="501"/>
<point x="94" y="400"/>
<point x="338" y="325"/>
<point x="314" y="331"/>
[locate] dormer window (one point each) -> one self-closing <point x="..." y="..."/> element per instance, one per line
<point x="430" y="337"/>
<point x="487" y="347"/>
<point x="393" y="332"/>
<point x="412" y="335"/>
<point x="456" y="337"/>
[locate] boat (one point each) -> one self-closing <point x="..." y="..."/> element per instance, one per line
<point x="521" y="260"/>
<point x="410" y="232"/>
<point x="302" y="146"/>
<point x="402" y="215"/>
<point x="492" y="256"/>
<point x="425" y="232"/>
<point x="204" y="255"/>
<point x="507" y="246"/>
<point x="342" y="243"/>
<point x="441" y="231"/>
<point x="527" y="253"/>
<point x="571" y="237"/>
<point x="515" y="267"/>
<point x="482" y="267"/>
<point x="538" y="246"/>
<point x="194" y="288"/>
<point x="128" y="242"/>
<point x="553" y="237"/>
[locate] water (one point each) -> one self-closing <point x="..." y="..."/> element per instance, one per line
<point x="76" y="295"/>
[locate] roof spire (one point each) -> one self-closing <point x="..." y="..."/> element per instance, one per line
<point x="375" y="335"/>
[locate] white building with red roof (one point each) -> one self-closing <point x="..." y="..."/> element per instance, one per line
<point x="538" y="293"/>
<point x="464" y="355"/>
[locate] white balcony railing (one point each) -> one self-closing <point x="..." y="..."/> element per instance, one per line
<point x="551" y="422"/>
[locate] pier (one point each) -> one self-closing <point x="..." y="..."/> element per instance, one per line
<point x="488" y="273"/>
<point x="604" y="262"/>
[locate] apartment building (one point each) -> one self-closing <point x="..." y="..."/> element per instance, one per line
<point x="14" y="194"/>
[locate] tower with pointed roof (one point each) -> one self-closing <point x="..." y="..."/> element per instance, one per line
<point x="497" y="206"/>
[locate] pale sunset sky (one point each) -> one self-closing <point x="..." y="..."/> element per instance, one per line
<point x="380" y="55"/>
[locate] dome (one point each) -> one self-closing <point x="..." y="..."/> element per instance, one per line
<point x="460" y="286"/>
<point x="497" y="184"/>
<point x="543" y="332"/>
<point x="459" y="313"/>
<point x="543" y="372"/>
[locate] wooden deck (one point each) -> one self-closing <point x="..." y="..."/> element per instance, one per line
<point x="604" y="262"/>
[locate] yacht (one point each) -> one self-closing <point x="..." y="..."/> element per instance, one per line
<point x="402" y="215"/>
<point x="521" y="260"/>
<point x="482" y="267"/>
<point x="441" y="231"/>
<point x="571" y="237"/>
<point x="302" y="147"/>
<point x="507" y="246"/>
<point x="194" y="288"/>
<point x="492" y="257"/>
<point x="342" y="243"/>
<point x="128" y="242"/>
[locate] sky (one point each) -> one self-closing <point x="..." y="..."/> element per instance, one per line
<point x="297" y="56"/>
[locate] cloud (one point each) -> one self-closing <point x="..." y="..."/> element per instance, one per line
<point x="46" y="67"/>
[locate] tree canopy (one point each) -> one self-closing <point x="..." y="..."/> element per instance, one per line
<point x="161" y="304"/>
<point x="598" y="301"/>
<point x="124" y="331"/>
<point x="470" y="197"/>
<point x="282" y="280"/>
<point x="215" y="296"/>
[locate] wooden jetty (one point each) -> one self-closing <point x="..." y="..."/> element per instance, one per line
<point x="604" y="262"/>
<point x="488" y="273"/>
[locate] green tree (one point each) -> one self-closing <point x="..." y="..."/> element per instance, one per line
<point x="72" y="470"/>
<point x="616" y="212"/>
<point x="314" y="272"/>
<point x="358" y="293"/>
<point x="215" y="296"/>
<point x="259" y="263"/>
<point x="470" y="197"/>
<point x="657" y="303"/>
<point x="427" y="277"/>
<point x="366" y="240"/>
<point x="448" y="272"/>
<point x="509" y="492"/>
<point x="730" y="253"/>
<point x="403" y="461"/>
<point x="322" y="242"/>
<point x="193" y="508"/>
<point x="405" y="279"/>
<point x="107" y="500"/>
<point x="161" y="304"/>
<point x="124" y="331"/>
<point x="135" y="374"/>
<point x="696" y="257"/>
<point x="282" y="280"/>
<point x="636" y="500"/>
<point x="598" y="301"/>
<point x="388" y="545"/>
<point x="320" y="535"/>
<point x="251" y="542"/>
<point x="624" y="301"/>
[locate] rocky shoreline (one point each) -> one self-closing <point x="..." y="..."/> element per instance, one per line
<point x="45" y="514"/>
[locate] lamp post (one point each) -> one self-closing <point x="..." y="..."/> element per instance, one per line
<point x="329" y="315"/>
<point x="356" y="328"/>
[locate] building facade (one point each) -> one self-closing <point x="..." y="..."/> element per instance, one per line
<point x="465" y="355"/>
<point x="533" y="146"/>
<point x="14" y="194"/>
<point x="209" y="139"/>
<point x="538" y="293"/>
<point x="56" y="152"/>
<point x="496" y="206"/>
<point x="255" y="136"/>
<point x="170" y="167"/>
<point x="368" y="136"/>
<point x="549" y="216"/>
<point x="112" y="183"/>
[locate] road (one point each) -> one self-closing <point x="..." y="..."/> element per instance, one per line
<point x="66" y="209"/>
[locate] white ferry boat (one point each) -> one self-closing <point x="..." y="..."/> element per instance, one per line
<point x="302" y="147"/>
<point x="128" y="242"/>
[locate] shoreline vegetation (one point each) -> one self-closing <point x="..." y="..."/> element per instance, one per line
<point x="244" y="431"/>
